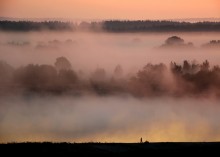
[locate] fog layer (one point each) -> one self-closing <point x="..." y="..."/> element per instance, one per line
<point x="153" y="114"/>
<point x="108" y="119"/>
<point x="87" y="51"/>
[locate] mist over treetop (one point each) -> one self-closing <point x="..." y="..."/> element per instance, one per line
<point x="176" y="80"/>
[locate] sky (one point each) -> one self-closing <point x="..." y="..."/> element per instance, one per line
<point x="110" y="9"/>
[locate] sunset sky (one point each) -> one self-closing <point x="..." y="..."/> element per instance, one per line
<point x="110" y="9"/>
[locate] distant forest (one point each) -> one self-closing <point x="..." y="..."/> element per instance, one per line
<point x="111" y="26"/>
<point x="159" y="26"/>
<point x="35" y="26"/>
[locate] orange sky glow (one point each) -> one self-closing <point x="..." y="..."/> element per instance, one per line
<point x="110" y="9"/>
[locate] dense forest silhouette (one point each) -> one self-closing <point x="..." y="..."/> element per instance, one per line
<point x="212" y="44"/>
<point x="186" y="79"/>
<point x="36" y="26"/>
<point x="111" y="26"/>
<point x="159" y="26"/>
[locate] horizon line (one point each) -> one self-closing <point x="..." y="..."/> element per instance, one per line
<point x="210" y="19"/>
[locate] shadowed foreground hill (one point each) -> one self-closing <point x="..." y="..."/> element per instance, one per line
<point x="110" y="149"/>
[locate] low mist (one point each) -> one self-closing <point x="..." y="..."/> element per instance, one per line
<point x="87" y="51"/>
<point x="108" y="119"/>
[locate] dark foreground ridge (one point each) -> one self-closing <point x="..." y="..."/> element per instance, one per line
<point x="110" y="149"/>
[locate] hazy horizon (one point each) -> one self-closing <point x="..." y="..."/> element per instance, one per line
<point x="78" y="20"/>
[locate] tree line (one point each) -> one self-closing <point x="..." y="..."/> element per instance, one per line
<point x="159" y="26"/>
<point x="111" y="26"/>
<point x="175" y="80"/>
<point x="36" y="26"/>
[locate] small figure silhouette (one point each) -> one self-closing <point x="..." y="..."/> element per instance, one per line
<point x="141" y="141"/>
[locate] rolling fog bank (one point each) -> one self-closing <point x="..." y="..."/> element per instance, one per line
<point x="87" y="51"/>
<point x="109" y="87"/>
<point x="108" y="119"/>
<point x="110" y="63"/>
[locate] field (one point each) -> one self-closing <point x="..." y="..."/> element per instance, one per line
<point x="110" y="149"/>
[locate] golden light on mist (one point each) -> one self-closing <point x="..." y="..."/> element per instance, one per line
<point x="176" y="132"/>
<point x="173" y="133"/>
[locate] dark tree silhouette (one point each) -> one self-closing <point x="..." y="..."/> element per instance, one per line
<point x="36" y="26"/>
<point x="36" y="77"/>
<point x="174" y="40"/>
<point x="176" y="69"/>
<point x="62" y="63"/>
<point x="99" y="74"/>
<point x="6" y="73"/>
<point x="186" y="67"/>
<point x="118" y="72"/>
<point x="148" y="80"/>
<point x="212" y="44"/>
<point x="205" y="66"/>
<point x="67" y="77"/>
<point x="159" y="26"/>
